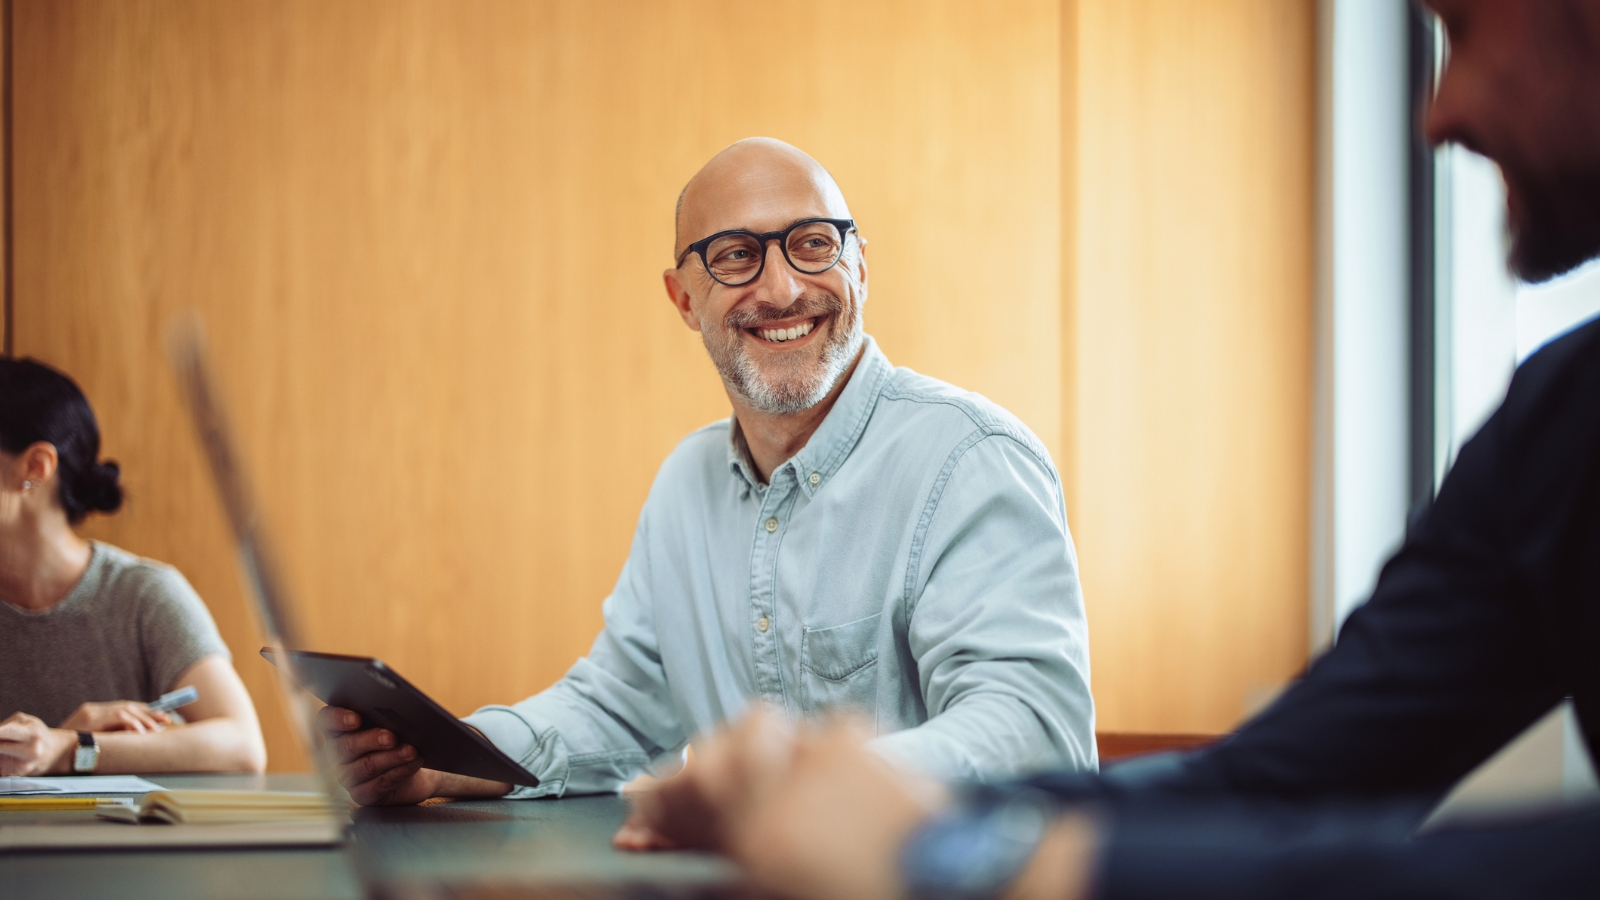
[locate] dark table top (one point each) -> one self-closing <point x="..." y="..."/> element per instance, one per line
<point x="505" y="844"/>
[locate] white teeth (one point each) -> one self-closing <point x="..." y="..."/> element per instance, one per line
<point x="779" y="335"/>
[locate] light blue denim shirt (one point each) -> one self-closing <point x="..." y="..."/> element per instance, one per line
<point x="912" y="562"/>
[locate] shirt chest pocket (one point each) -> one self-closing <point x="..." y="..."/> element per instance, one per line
<point x="840" y="666"/>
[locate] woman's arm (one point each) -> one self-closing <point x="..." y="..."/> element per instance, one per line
<point x="223" y="735"/>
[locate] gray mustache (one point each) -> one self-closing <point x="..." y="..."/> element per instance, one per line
<point x="765" y="312"/>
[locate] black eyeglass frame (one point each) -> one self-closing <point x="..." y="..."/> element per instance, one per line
<point x="698" y="248"/>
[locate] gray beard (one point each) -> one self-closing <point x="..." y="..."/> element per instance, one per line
<point x="800" y="386"/>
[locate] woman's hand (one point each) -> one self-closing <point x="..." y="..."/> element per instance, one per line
<point x="30" y="747"/>
<point x="117" y="715"/>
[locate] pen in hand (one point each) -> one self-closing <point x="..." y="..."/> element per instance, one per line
<point x="170" y="701"/>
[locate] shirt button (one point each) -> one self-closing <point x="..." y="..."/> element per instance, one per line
<point x="772" y="525"/>
<point x="761" y="624"/>
<point x="815" y="479"/>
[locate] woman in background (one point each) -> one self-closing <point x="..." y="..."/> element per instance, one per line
<point x="89" y="633"/>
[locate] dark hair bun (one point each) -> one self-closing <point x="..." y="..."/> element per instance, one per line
<point x="103" y="487"/>
<point x="93" y="488"/>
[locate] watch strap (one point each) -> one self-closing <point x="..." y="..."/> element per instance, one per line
<point x="86" y="758"/>
<point x="976" y="849"/>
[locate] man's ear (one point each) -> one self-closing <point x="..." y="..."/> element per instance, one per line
<point x="681" y="301"/>
<point x="861" y="259"/>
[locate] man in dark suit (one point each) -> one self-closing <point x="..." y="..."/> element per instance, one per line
<point x="1487" y="617"/>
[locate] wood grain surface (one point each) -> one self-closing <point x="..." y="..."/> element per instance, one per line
<point x="1188" y="352"/>
<point x="427" y="238"/>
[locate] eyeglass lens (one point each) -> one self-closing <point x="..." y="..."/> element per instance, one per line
<point x="811" y="248"/>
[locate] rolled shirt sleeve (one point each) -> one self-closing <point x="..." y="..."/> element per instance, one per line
<point x="997" y="623"/>
<point x="610" y="716"/>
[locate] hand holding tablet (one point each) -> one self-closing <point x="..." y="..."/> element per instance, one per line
<point x="395" y="745"/>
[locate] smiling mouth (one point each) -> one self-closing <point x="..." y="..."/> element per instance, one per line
<point x="781" y="333"/>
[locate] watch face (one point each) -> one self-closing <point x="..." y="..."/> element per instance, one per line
<point x="966" y="854"/>
<point x="85" y="758"/>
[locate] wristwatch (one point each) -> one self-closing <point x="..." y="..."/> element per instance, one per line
<point x="87" y="755"/>
<point x="974" y="850"/>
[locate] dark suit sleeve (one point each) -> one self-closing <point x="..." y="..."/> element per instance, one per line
<point x="1211" y="850"/>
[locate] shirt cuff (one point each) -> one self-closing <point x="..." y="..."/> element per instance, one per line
<point x="517" y="738"/>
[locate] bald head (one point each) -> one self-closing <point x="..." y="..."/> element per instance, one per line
<point x="760" y="184"/>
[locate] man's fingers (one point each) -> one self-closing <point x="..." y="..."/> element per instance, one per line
<point x="392" y="779"/>
<point x="676" y="814"/>
<point x="355" y="744"/>
<point x="632" y="836"/>
<point x="379" y="791"/>
<point x="640" y="784"/>
<point x="639" y="837"/>
<point x="845" y="725"/>
<point x="336" y="721"/>
<point x="372" y="765"/>
<point x="745" y="761"/>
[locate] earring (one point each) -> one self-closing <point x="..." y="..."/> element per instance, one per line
<point x="27" y="485"/>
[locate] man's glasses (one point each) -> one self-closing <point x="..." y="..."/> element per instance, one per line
<point x="735" y="258"/>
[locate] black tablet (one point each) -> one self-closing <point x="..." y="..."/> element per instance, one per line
<point x="385" y="700"/>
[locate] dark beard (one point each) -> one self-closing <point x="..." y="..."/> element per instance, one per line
<point x="1558" y="228"/>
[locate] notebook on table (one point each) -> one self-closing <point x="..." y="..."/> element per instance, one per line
<point x="222" y="807"/>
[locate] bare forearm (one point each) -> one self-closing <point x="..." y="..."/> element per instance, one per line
<point x="213" y="745"/>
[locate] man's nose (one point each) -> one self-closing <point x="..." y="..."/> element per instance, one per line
<point x="779" y="284"/>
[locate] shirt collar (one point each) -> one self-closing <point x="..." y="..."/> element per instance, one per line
<point x="834" y="438"/>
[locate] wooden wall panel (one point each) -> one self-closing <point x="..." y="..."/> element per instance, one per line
<point x="1187" y="349"/>
<point x="426" y="238"/>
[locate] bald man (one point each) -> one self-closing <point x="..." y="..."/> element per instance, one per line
<point x="855" y="536"/>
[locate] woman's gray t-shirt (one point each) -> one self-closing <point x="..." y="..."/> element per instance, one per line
<point x="127" y="631"/>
